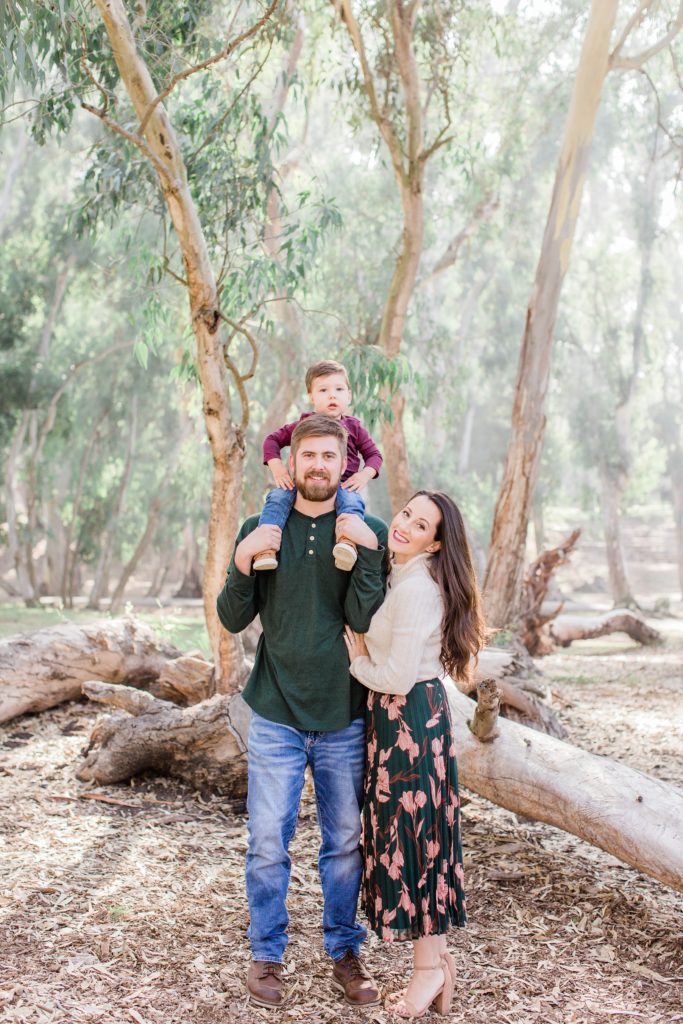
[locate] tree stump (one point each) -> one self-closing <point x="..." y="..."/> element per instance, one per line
<point x="204" y="744"/>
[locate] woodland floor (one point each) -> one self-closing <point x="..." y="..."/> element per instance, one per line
<point x="134" y="910"/>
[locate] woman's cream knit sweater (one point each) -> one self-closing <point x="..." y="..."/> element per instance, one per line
<point x="404" y="638"/>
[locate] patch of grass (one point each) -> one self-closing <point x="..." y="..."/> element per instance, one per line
<point x="580" y="679"/>
<point x="187" y="632"/>
<point x="117" y="912"/>
<point x="184" y="628"/>
<point x="501" y="638"/>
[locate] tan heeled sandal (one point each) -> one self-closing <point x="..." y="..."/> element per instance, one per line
<point x="441" y="1001"/>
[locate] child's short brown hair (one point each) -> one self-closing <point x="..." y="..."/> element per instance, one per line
<point x="324" y="369"/>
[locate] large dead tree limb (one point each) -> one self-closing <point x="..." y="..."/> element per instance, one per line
<point x="629" y="815"/>
<point x="50" y="666"/>
<point x="204" y="744"/>
<point x="542" y="627"/>
<point x="616" y="808"/>
<point x="568" y="628"/>
<point x="622" y="811"/>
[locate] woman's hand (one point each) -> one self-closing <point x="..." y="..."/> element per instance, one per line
<point x="355" y="643"/>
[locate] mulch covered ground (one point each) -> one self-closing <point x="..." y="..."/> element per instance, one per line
<point x="133" y="910"/>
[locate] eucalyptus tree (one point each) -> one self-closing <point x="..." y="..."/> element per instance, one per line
<point x="405" y="57"/>
<point x="599" y="56"/>
<point x="186" y="135"/>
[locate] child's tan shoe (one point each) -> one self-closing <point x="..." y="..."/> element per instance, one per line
<point x="345" y="554"/>
<point x="265" y="560"/>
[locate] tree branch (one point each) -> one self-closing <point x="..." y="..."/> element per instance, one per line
<point x="241" y="329"/>
<point x="161" y="170"/>
<point x="241" y="390"/>
<point x="402" y="21"/>
<point x="52" y="407"/>
<point x="636" y="61"/>
<point x="633" y="22"/>
<point x="382" y="122"/>
<point x="222" y="55"/>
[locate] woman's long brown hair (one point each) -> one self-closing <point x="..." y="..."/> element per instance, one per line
<point x="463" y="629"/>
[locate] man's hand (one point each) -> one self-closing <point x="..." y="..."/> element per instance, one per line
<point x="357" y="481"/>
<point x="354" y="528"/>
<point x="263" y="538"/>
<point x="280" y="474"/>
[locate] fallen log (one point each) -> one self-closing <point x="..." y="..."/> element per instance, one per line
<point x="51" y="665"/>
<point x="622" y="811"/>
<point x="616" y="808"/>
<point x="567" y="628"/>
<point x="204" y="744"/>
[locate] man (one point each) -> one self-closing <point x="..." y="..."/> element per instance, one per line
<point x="306" y="707"/>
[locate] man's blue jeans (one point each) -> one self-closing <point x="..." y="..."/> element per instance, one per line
<point x="277" y="759"/>
<point x="279" y="503"/>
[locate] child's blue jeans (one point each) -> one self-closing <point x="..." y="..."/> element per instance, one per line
<point x="279" y="503"/>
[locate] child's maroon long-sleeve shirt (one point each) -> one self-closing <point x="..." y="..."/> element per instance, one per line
<point x="360" y="444"/>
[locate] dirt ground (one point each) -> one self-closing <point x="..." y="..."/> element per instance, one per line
<point x="132" y="908"/>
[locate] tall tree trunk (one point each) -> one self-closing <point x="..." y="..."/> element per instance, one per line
<point x="153" y="513"/>
<point x="70" y="545"/>
<point x="225" y="438"/>
<point x="15" y="543"/>
<point x="191" y="582"/>
<point x="466" y="437"/>
<point x="676" y="476"/>
<point x="505" y="569"/>
<point x="100" y="583"/>
<point x="610" y="494"/>
<point x="11" y="175"/>
<point x="408" y="159"/>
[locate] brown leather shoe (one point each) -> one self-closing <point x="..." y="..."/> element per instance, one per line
<point x="351" y="976"/>
<point x="264" y="982"/>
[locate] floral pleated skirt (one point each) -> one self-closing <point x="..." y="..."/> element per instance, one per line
<point x="413" y="883"/>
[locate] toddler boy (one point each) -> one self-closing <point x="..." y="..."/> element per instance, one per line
<point x="328" y="390"/>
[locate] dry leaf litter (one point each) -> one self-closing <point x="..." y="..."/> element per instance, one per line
<point x="126" y="903"/>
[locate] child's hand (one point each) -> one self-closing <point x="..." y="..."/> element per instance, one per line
<point x="357" y="481"/>
<point x="280" y="475"/>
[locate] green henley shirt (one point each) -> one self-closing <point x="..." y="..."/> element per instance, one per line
<point x="301" y="673"/>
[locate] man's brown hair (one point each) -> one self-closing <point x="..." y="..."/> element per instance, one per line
<point x="324" y="369"/>
<point x="318" y="426"/>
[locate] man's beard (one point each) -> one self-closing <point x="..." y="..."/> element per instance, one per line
<point x="316" y="488"/>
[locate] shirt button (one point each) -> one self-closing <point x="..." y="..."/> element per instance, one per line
<point x="312" y="537"/>
<point x="313" y="526"/>
<point x="310" y="551"/>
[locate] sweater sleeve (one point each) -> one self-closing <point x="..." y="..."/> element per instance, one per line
<point x="372" y="456"/>
<point x="416" y="614"/>
<point x="275" y="442"/>
<point x="237" y="603"/>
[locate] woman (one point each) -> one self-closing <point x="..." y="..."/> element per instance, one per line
<point x="429" y="624"/>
